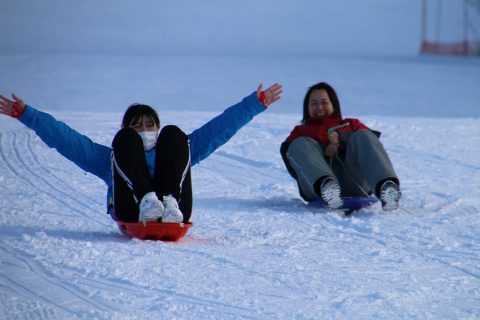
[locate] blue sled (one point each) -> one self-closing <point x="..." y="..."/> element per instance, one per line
<point x="350" y="204"/>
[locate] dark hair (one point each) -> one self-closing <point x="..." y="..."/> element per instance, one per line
<point x="331" y="94"/>
<point x="136" y="111"/>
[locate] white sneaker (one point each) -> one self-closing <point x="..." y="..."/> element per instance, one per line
<point x="172" y="213"/>
<point x="151" y="209"/>
<point x="390" y="195"/>
<point x="330" y="191"/>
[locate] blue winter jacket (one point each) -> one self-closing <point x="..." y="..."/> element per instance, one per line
<point x="95" y="158"/>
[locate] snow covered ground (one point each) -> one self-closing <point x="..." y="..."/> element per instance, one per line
<point x="256" y="250"/>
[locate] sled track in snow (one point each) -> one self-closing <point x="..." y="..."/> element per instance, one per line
<point x="238" y="265"/>
<point x="254" y="232"/>
<point x="50" y="295"/>
<point x="53" y="176"/>
<point x="233" y="166"/>
<point x="85" y="297"/>
<point x="52" y="180"/>
<point x="31" y="280"/>
<point x="444" y="260"/>
<point x="31" y="176"/>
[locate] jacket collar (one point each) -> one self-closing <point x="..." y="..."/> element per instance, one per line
<point x="325" y="121"/>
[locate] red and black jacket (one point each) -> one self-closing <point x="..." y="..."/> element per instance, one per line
<point x="317" y="129"/>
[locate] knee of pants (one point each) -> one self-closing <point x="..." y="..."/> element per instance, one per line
<point x="126" y="134"/>
<point x="361" y="136"/>
<point x="303" y="143"/>
<point x="172" y="130"/>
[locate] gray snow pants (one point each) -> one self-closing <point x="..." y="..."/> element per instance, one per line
<point x="366" y="164"/>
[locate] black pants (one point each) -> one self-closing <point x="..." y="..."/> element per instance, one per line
<point x="131" y="180"/>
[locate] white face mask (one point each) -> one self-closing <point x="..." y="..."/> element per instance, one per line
<point x="149" y="139"/>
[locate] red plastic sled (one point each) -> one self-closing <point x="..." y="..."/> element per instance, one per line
<point x="152" y="230"/>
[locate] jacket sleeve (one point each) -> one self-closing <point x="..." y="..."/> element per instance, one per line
<point x="295" y="133"/>
<point x="81" y="150"/>
<point x="206" y="139"/>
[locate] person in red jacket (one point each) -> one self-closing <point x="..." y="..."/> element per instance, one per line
<point x="332" y="157"/>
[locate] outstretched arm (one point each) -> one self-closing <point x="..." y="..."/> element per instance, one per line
<point x="81" y="150"/>
<point x="220" y="129"/>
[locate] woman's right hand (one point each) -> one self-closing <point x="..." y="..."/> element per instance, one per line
<point x="12" y="108"/>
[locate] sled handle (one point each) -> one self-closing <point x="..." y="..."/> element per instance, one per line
<point x="330" y="130"/>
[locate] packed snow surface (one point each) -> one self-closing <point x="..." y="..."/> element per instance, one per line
<point x="256" y="250"/>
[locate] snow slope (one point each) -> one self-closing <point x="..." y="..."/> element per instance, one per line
<point x="399" y="86"/>
<point x="256" y="251"/>
<point x="190" y="55"/>
<point x="268" y="27"/>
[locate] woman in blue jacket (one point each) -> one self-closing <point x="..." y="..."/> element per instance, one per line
<point x="147" y="170"/>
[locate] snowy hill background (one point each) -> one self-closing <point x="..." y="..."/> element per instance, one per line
<point x="212" y="27"/>
<point x="103" y="55"/>
<point x="256" y="251"/>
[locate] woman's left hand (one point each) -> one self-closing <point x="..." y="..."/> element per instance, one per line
<point x="334" y="137"/>
<point x="270" y="95"/>
<point x="331" y="150"/>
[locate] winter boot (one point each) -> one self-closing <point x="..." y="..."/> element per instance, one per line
<point x="390" y="195"/>
<point x="330" y="193"/>
<point x="172" y="213"/>
<point x="151" y="209"/>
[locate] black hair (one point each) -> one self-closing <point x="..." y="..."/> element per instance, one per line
<point x="137" y="111"/>
<point x="331" y="94"/>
